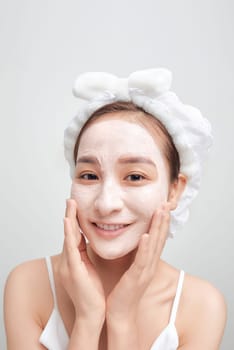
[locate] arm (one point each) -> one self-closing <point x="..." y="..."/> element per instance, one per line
<point x="82" y="284"/>
<point x="205" y="318"/>
<point x="22" y="322"/>
<point x="26" y="306"/>
<point x="123" y="302"/>
<point x="85" y="335"/>
<point x="23" y="298"/>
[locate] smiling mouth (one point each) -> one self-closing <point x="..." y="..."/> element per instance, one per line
<point x="110" y="227"/>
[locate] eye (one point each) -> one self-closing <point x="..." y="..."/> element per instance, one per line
<point x="88" y="176"/>
<point x="135" y="177"/>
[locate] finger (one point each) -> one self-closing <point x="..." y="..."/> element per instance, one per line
<point x="163" y="232"/>
<point x="83" y="251"/>
<point x="161" y="238"/>
<point x="77" y="220"/>
<point x="70" y="245"/>
<point x="141" y="255"/>
<point x="74" y="255"/>
<point x="71" y="212"/>
<point x="68" y="211"/>
<point x="155" y="225"/>
<point x="157" y="234"/>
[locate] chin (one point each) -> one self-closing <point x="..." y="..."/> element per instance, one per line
<point x="112" y="253"/>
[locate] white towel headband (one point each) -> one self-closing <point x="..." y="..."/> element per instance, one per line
<point x="150" y="90"/>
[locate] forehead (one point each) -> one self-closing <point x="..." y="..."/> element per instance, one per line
<point x="118" y="136"/>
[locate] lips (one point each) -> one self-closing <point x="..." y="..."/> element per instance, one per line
<point x="109" y="231"/>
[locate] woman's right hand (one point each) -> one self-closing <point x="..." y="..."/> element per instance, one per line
<point x="77" y="273"/>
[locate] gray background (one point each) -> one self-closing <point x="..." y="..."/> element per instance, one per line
<point x="44" y="45"/>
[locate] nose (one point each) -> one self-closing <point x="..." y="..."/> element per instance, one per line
<point x="109" y="199"/>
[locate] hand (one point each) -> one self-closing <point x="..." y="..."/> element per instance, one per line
<point x="77" y="273"/>
<point x="122" y="303"/>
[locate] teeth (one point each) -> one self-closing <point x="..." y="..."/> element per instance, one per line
<point x="110" y="227"/>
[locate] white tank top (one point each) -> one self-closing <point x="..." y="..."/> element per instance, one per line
<point x="55" y="337"/>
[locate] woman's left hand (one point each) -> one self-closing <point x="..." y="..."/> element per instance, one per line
<point x="123" y="301"/>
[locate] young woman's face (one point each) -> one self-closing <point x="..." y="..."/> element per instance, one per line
<point x="121" y="179"/>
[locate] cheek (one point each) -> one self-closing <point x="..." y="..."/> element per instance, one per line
<point x="83" y="195"/>
<point x="148" y="198"/>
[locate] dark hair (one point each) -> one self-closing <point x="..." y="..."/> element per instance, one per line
<point x="137" y="115"/>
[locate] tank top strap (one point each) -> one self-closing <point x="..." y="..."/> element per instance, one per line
<point x="51" y="279"/>
<point x="177" y="297"/>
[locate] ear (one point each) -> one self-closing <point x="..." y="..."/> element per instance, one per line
<point x="176" y="190"/>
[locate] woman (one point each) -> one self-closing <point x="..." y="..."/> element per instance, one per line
<point x="135" y="154"/>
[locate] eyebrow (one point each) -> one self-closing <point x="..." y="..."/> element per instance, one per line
<point x="135" y="160"/>
<point x="123" y="160"/>
<point x="87" y="159"/>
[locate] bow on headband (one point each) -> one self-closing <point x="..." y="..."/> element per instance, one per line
<point x="151" y="83"/>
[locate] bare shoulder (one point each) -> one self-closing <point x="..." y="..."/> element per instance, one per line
<point x="27" y="267"/>
<point x="27" y="287"/>
<point x="203" y="312"/>
<point x="202" y="295"/>
<point x="27" y="275"/>
<point x="27" y="304"/>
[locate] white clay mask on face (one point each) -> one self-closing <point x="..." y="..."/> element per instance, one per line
<point x="121" y="179"/>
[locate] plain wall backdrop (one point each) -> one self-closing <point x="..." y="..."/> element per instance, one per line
<point x="44" y="45"/>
